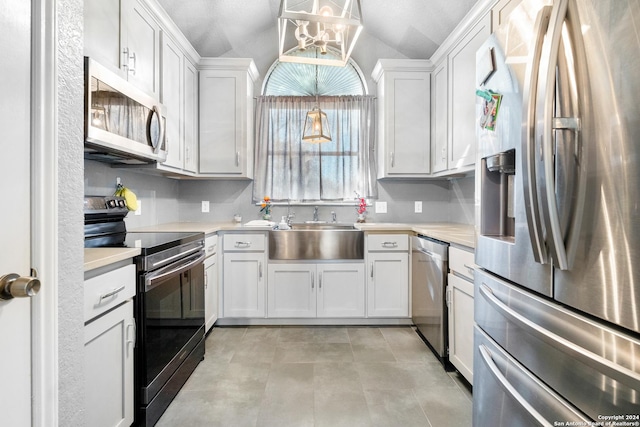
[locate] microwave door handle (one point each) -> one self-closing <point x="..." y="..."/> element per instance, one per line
<point x="545" y="132"/>
<point x="155" y="110"/>
<point x="531" y="204"/>
<point x="155" y="280"/>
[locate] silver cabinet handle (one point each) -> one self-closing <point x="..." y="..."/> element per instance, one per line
<point x="372" y="270"/>
<point x="472" y="270"/>
<point x="532" y="208"/>
<point x="131" y="338"/>
<point x="393" y="159"/>
<point x="389" y="244"/>
<point x="237" y="158"/>
<point x="211" y="248"/>
<point x="599" y="363"/>
<point x="206" y="280"/>
<point x="242" y="244"/>
<point x="511" y="391"/>
<point x="319" y="280"/>
<point x="312" y="281"/>
<point x="260" y="269"/>
<point x="111" y="293"/>
<point x="12" y="286"/>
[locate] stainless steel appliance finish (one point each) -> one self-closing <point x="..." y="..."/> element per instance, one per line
<point x="316" y="244"/>
<point x="429" y="267"/>
<point x="123" y="125"/>
<point x="169" y="303"/>
<point x="557" y="237"/>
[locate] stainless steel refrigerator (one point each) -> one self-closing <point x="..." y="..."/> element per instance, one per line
<point x="557" y="297"/>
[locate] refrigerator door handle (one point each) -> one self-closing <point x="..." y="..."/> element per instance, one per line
<point x="532" y="208"/>
<point x="544" y="133"/>
<point x="509" y="389"/>
<point x="594" y="361"/>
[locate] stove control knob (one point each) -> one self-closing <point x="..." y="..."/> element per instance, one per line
<point x="121" y="204"/>
<point x="111" y="204"/>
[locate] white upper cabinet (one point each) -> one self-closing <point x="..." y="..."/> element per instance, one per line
<point x="171" y="97"/>
<point x="190" y="116"/>
<point x="440" y="126"/>
<point x="404" y="103"/>
<point x="226" y="117"/>
<point x="123" y="35"/>
<point x="462" y="96"/>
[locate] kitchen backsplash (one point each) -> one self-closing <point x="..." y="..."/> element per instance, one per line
<point x="168" y="200"/>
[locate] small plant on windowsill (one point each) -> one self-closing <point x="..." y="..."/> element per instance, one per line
<point x="265" y="208"/>
<point x="361" y="209"/>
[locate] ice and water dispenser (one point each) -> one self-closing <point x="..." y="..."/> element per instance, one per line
<point x="498" y="195"/>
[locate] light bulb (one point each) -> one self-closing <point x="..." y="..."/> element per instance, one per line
<point x="325" y="11"/>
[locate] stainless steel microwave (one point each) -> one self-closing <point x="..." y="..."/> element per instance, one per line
<point x="123" y="125"/>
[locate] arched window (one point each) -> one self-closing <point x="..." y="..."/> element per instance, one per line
<point x="288" y="169"/>
<point x="295" y="79"/>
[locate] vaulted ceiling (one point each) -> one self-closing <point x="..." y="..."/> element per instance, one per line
<point x="412" y="28"/>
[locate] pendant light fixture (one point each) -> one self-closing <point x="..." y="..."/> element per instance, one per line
<point x="316" y="126"/>
<point x="319" y="23"/>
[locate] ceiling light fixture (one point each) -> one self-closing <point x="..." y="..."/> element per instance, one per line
<point x="316" y="126"/>
<point x="336" y="23"/>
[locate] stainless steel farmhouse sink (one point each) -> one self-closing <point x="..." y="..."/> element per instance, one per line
<point x="316" y="242"/>
<point x="322" y="226"/>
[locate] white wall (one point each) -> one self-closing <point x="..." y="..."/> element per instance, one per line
<point x="70" y="254"/>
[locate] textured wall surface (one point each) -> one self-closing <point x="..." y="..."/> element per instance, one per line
<point x="70" y="220"/>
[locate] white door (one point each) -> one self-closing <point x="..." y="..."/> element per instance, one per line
<point x="15" y="314"/>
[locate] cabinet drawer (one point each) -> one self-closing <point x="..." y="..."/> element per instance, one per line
<point x="388" y="242"/>
<point x="211" y="244"/>
<point x="102" y="293"/>
<point x="461" y="262"/>
<point x="244" y="242"/>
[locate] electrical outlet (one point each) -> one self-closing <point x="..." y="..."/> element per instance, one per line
<point x="418" y="207"/>
<point x="381" y="207"/>
<point x="139" y="210"/>
<point x="205" y="206"/>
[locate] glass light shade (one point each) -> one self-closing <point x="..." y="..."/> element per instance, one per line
<point x="319" y="23"/>
<point x="316" y="127"/>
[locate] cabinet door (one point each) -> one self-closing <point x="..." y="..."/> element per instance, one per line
<point x="408" y="130"/>
<point x="102" y="32"/>
<point x="221" y="122"/>
<point x="142" y="40"/>
<point x="462" y="97"/>
<point x="439" y="125"/>
<point x="190" y="116"/>
<point x="108" y="368"/>
<point x="171" y="98"/>
<point x="210" y="291"/>
<point x="460" y="301"/>
<point x="341" y="290"/>
<point x="388" y="285"/>
<point x="243" y="285"/>
<point x="291" y="290"/>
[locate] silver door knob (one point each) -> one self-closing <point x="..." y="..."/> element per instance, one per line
<point x="14" y="286"/>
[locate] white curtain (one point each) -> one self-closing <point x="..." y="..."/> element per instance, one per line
<point x="288" y="169"/>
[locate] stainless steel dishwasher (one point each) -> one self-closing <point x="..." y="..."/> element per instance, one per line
<point x="429" y="266"/>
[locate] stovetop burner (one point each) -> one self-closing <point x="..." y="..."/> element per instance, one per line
<point x="104" y="227"/>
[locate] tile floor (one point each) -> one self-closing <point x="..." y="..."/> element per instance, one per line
<point x="319" y="376"/>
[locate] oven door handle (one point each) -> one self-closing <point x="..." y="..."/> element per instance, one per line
<point x="160" y="276"/>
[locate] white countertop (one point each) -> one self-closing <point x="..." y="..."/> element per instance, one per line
<point x="99" y="257"/>
<point x="460" y="234"/>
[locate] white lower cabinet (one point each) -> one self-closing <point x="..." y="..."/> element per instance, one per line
<point x="304" y="290"/>
<point x="109" y="340"/>
<point x="388" y="284"/>
<point x="243" y="285"/>
<point x="211" y="271"/>
<point x="388" y="275"/>
<point x="460" y="310"/>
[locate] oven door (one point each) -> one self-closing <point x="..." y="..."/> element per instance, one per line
<point x="170" y="321"/>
